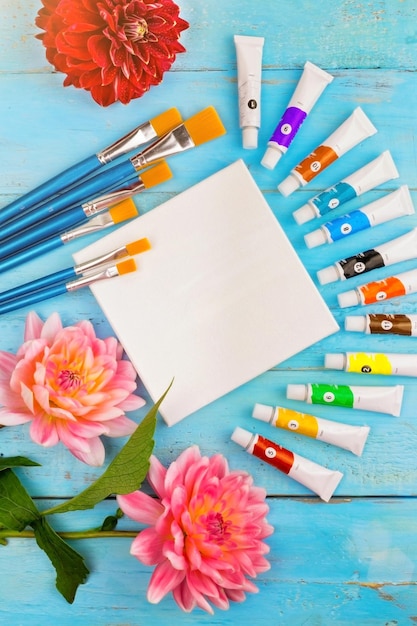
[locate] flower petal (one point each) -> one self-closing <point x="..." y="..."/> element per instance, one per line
<point x="140" y="507"/>
<point x="163" y="580"/>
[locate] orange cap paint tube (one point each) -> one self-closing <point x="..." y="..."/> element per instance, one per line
<point x="319" y="479"/>
<point x="352" y="131"/>
<point x="380" y="290"/>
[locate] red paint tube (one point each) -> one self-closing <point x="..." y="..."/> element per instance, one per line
<point x="321" y="480"/>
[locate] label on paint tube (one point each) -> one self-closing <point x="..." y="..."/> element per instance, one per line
<point x="288" y="126"/>
<point x="348" y="224"/>
<point x="344" y="436"/>
<point x="361" y="263"/>
<point x="380" y="290"/>
<point x="363" y="363"/>
<point x="337" y="395"/>
<point x="318" y="160"/>
<point x="381" y="324"/>
<point x="319" y="479"/>
<point x="333" y="197"/>
<point x="298" y="422"/>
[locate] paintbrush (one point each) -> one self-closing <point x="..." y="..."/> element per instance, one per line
<point x="202" y="127"/>
<point x="146" y="132"/>
<point x="70" y="273"/>
<point x="111" y="271"/>
<point x="77" y="215"/>
<point x="120" y="213"/>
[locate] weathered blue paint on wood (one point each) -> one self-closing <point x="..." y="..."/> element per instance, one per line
<point x="352" y="561"/>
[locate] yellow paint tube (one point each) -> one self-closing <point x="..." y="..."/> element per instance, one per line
<point x="346" y="436"/>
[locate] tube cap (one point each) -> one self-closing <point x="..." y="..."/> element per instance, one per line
<point x="250" y="137"/>
<point x="242" y="437"/>
<point x="328" y="275"/>
<point x="334" y="361"/>
<point x="271" y="157"/>
<point x="263" y="412"/>
<point x="315" y="238"/>
<point x="297" y="392"/>
<point x="356" y="323"/>
<point x="304" y="214"/>
<point x="348" y="298"/>
<point x="288" y="185"/>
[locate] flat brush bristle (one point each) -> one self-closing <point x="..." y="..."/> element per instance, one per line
<point x="205" y="126"/>
<point x="156" y="175"/>
<point x="123" y="211"/>
<point x="136" y="247"/>
<point x="125" y="267"/>
<point x="166" y="121"/>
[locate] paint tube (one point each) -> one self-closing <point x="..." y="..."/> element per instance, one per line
<point x="396" y="250"/>
<point x="368" y="177"/>
<point x="383" y="324"/>
<point x="249" y="72"/>
<point x="373" y="363"/>
<point x="352" y="438"/>
<point x="319" y="479"/>
<point x="352" y="131"/>
<point x="396" y="204"/>
<point x="380" y="290"/>
<point x="310" y="86"/>
<point x="379" y="399"/>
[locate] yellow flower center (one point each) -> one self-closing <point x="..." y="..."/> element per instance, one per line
<point x="137" y="29"/>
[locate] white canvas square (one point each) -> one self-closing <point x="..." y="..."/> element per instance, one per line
<point x="220" y="298"/>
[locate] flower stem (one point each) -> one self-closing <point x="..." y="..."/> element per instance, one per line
<point x="82" y="534"/>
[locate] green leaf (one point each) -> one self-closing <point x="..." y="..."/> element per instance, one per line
<point x="17" y="509"/>
<point x="71" y="570"/>
<point x="16" y="461"/>
<point x="125" y="473"/>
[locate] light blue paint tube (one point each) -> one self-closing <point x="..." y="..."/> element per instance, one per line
<point x="371" y="175"/>
<point x="395" y="204"/>
<point x="310" y="86"/>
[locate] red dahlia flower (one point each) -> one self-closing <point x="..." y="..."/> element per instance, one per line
<point x="116" y="49"/>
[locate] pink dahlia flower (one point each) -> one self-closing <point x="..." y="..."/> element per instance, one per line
<point x="116" y="49"/>
<point x="70" y="385"/>
<point x="205" y="531"/>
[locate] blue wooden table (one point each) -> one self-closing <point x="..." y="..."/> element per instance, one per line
<point x="353" y="560"/>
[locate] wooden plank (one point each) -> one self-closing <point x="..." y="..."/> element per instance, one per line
<point x="347" y="562"/>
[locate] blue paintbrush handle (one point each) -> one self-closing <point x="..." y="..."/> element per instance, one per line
<point x="49" y="188"/>
<point x="35" y="296"/>
<point x="101" y="183"/>
<point x="44" y="230"/>
<point x="30" y="253"/>
<point x="40" y="283"/>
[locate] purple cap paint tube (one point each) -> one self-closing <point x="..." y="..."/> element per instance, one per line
<point x="309" y="88"/>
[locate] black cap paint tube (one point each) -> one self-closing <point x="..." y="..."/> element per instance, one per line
<point x="380" y="399"/>
<point x="352" y="438"/>
<point x="383" y="324"/>
<point x="317" y="478"/>
<point x="396" y="250"/>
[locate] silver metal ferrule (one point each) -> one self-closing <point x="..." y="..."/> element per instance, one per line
<point x="85" y="281"/>
<point x="94" y="225"/>
<point x="177" y="140"/>
<point x="109" y="199"/>
<point x="104" y="259"/>
<point x="133" y="140"/>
